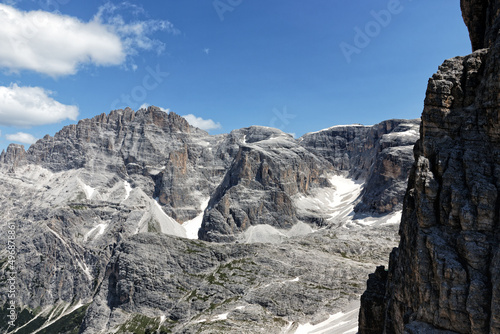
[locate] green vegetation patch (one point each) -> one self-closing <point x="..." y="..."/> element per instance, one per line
<point x="141" y="324"/>
<point x="69" y="324"/>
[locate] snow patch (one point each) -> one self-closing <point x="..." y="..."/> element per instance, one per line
<point x="95" y="232"/>
<point x="89" y="191"/>
<point x="340" y="126"/>
<point x="128" y="189"/>
<point x="408" y="133"/>
<point x="331" y="203"/>
<point x="155" y="170"/>
<point x="393" y="219"/>
<point x="192" y="226"/>
<point x="220" y="317"/>
<point x="339" y="323"/>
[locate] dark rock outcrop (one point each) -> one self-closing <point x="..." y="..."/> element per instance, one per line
<point x="445" y="275"/>
<point x="372" y="314"/>
<point x="480" y="16"/>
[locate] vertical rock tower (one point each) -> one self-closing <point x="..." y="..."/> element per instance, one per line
<point x="445" y="275"/>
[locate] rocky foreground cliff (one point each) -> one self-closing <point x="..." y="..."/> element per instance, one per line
<point x="137" y="222"/>
<point x="445" y="275"/>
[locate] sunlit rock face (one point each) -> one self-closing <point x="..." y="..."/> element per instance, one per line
<point x="105" y="213"/>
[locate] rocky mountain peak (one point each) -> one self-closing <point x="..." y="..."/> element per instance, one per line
<point x="14" y="156"/>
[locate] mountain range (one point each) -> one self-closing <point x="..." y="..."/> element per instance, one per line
<point x="137" y="222"/>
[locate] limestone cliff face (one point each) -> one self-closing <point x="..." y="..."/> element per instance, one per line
<point x="269" y="168"/>
<point x="14" y="156"/>
<point x="381" y="155"/>
<point x="445" y="275"/>
<point x="158" y="151"/>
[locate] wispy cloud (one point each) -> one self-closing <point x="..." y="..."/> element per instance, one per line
<point x="204" y="124"/>
<point x="30" y="106"/>
<point x="206" y="50"/>
<point x="135" y="35"/>
<point x="21" y="137"/>
<point x="57" y="45"/>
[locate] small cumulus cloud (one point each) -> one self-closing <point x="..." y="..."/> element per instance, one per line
<point x="21" y="137"/>
<point x="204" y="124"/>
<point x="57" y="45"/>
<point x="31" y="106"/>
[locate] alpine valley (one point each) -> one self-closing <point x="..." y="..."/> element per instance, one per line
<point x="137" y="222"/>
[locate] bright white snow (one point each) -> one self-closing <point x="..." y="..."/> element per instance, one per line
<point x="128" y="189"/>
<point x="192" y="226"/>
<point x="332" y="203"/>
<point x="95" y="232"/>
<point x="339" y="323"/>
<point x="340" y="126"/>
<point x="220" y="317"/>
<point x="89" y="191"/>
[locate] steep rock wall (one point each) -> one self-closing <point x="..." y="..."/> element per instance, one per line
<point x="445" y="275"/>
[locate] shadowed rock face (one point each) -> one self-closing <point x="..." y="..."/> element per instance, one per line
<point x="480" y="16"/>
<point x="445" y="275"/>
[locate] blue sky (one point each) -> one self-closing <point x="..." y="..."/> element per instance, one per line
<point x="296" y="65"/>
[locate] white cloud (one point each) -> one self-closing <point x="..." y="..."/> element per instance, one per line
<point x="29" y="106"/>
<point x="22" y="137"/>
<point x="204" y="124"/>
<point x="54" y="44"/>
<point x="57" y="44"/>
<point x="134" y="35"/>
